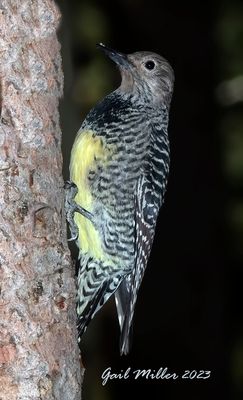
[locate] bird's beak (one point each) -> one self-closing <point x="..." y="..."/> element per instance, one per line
<point x="119" y="58"/>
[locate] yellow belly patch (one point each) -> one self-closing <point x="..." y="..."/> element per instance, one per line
<point x="87" y="150"/>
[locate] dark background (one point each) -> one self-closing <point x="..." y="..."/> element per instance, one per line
<point x="188" y="314"/>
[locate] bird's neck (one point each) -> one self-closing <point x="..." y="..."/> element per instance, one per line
<point x="127" y="83"/>
<point x="129" y="90"/>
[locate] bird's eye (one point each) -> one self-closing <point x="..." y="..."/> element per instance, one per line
<point x="150" y="65"/>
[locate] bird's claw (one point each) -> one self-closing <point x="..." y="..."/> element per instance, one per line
<point x="71" y="239"/>
<point x="72" y="207"/>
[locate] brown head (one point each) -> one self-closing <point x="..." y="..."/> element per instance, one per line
<point x="145" y="74"/>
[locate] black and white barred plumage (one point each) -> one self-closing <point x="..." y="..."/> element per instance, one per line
<point x="125" y="184"/>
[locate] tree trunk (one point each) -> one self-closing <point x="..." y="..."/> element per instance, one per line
<point x="38" y="348"/>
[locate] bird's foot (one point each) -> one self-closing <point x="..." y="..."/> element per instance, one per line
<point x="71" y="207"/>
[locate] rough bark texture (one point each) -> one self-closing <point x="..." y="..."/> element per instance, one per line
<point x="38" y="348"/>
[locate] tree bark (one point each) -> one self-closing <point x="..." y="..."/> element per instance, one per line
<point x="39" y="358"/>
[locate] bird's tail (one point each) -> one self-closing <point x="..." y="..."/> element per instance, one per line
<point x="125" y="302"/>
<point x="87" y="310"/>
<point x="95" y="286"/>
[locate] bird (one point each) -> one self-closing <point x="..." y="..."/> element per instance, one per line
<point x="119" y="168"/>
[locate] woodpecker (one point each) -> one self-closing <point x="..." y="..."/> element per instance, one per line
<point x="118" y="175"/>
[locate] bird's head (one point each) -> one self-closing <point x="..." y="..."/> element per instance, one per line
<point x="144" y="74"/>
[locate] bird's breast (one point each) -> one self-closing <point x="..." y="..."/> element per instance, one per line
<point x="88" y="151"/>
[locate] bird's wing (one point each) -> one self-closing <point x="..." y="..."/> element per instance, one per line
<point x="145" y="218"/>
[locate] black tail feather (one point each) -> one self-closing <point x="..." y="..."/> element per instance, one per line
<point x="123" y="304"/>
